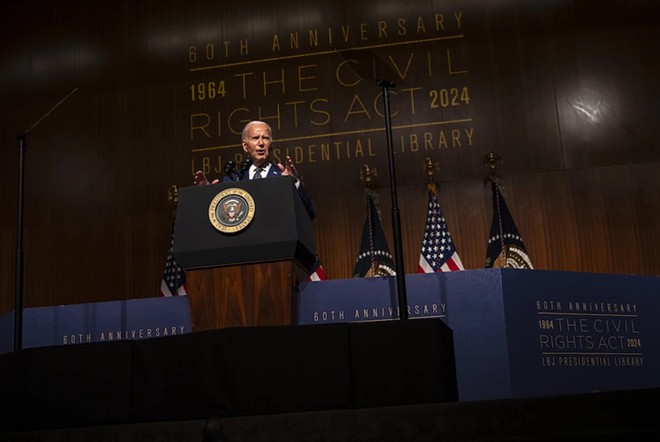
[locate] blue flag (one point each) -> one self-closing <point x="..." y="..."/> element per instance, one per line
<point x="505" y="245"/>
<point x="374" y="258"/>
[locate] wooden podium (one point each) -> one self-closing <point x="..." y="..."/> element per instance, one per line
<point x="243" y="268"/>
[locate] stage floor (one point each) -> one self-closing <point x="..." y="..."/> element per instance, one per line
<point x="227" y="373"/>
<point x="608" y="416"/>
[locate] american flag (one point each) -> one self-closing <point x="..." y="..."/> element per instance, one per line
<point x="438" y="252"/>
<point x="506" y="248"/>
<point x="317" y="273"/>
<point x="174" y="277"/>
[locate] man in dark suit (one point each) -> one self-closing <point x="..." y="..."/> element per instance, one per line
<point x="257" y="142"/>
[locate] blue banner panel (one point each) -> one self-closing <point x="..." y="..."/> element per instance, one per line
<point x="581" y="332"/>
<point x="518" y="333"/>
<point x="98" y="322"/>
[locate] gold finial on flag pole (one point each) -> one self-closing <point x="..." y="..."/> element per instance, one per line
<point x="368" y="176"/>
<point x="173" y="194"/>
<point x="429" y="169"/>
<point x="173" y="197"/>
<point x="492" y="160"/>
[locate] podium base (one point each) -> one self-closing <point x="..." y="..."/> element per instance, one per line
<point x="250" y="295"/>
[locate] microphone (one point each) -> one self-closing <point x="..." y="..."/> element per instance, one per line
<point x="230" y="170"/>
<point x="245" y="166"/>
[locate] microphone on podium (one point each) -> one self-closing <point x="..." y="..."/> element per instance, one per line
<point x="230" y="170"/>
<point x="245" y="166"/>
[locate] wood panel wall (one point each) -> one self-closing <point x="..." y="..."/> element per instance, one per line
<point x="565" y="92"/>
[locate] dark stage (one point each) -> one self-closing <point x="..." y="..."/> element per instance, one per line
<point x="379" y="381"/>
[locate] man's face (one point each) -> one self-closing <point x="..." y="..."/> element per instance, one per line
<point x="257" y="143"/>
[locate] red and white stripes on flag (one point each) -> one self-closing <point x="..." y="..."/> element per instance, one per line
<point x="317" y="273"/>
<point x="438" y="252"/>
<point x="174" y="277"/>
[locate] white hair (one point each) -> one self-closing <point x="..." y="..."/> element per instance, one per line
<point x="252" y="123"/>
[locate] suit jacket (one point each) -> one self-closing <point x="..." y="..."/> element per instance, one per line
<point x="275" y="171"/>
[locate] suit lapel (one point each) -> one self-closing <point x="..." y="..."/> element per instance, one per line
<point x="272" y="171"/>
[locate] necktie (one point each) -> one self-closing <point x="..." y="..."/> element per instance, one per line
<point x="257" y="173"/>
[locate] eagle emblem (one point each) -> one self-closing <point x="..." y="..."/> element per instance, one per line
<point x="231" y="210"/>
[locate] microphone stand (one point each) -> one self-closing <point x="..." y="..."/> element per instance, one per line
<point x="396" y="221"/>
<point x="370" y="67"/>
<point x="18" y="300"/>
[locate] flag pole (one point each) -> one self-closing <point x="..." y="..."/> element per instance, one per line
<point x="173" y="197"/>
<point x="492" y="160"/>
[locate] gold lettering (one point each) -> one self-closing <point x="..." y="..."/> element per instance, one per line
<point x="238" y="128"/>
<point x="403" y="74"/>
<point x="302" y="78"/>
<point x="414" y="145"/>
<point x="468" y="132"/>
<point x="443" y="141"/>
<point x="363" y="31"/>
<point x="325" y="152"/>
<point x="378" y="101"/>
<point x="456" y="137"/>
<point x="449" y="66"/>
<point x="267" y="82"/>
<point x="420" y="26"/>
<point x="295" y="111"/>
<point x="206" y="165"/>
<point x="412" y="97"/>
<point x="358" y="149"/>
<point x="313" y="108"/>
<point x="193" y="127"/>
<point x="428" y="137"/>
<point x="439" y="24"/>
<point x="338" y="74"/>
<point x="313" y="38"/>
<point x="382" y="29"/>
<point x="371" y="152"/>
<point x="345" y="30"/>
<point x="458" y="16"/>
<point x="361" y="109"/>
<point x="401" y="26"/>
<point x="277" y="116"/>
<point x="243" y="47"/>
<point x="244" y="86"/>
<point x="299" y="154"/>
